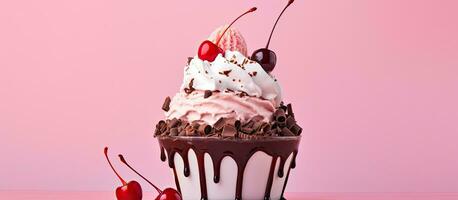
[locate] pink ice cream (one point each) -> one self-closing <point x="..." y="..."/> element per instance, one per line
<point x="231" y="40"/>
<point x="194" y="107"/>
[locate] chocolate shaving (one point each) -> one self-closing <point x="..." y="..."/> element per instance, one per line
<point x="280" y="116"/>
<point x="296" y="129"/>
<point x="204" y="129"/>
<point x="290" y="110"/>
<point x="257" y="125"/>
<point x="173" y="123"/>
<point x="229" y="131"/>
<point x="166" y="104"/>
<point x="290" y="121"/>
<point x="225" y="72"/>
<point x="207" y="93"/>
<point x="190" y="131"/>
<point x="286" y="132"/>
<point x="220" y="123"/>
<point x="173" y="132"/>
<point x="242" y="94"/>
<point x="189" y="60"/>
<point x="265" y="127"/>
<point x="190" y="89"/>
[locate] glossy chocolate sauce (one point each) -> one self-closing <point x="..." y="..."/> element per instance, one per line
<point x="240" y="150"/>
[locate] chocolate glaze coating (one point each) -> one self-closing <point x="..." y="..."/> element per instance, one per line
<point x="239" y="149"/>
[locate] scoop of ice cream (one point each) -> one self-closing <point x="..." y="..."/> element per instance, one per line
<point x="231" y="40"/>
<point x="234" y="73"/>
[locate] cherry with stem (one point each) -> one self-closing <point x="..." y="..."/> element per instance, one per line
<point x="264" y="56"/>
<point x="129" y="190"/>
<point x="167" y="194"/>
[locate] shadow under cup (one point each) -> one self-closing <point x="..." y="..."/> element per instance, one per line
<point x="232" y="168"/>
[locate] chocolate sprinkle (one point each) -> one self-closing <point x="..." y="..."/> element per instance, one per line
<point x="166" y="105"/>
<point x="190" y="89"/>
<point x="207" y="93"/>
<point x="225" y="72"/>
<point x="189" y="59"/>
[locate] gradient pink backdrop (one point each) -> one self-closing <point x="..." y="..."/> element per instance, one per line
<point x="374" y="83"/>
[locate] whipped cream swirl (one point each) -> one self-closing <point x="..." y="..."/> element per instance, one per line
<point x="232" y="72"/>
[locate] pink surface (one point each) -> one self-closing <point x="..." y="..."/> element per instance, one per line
<point x="42" y="195"/>
<point x="374" y="84"/>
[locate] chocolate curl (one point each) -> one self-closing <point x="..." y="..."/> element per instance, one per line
<point x="173" y="123"/>
<point x="257" y="125"/>
<point x="234" y="122"/>
<point x="280" y="116"/>
<point x="290" y="121"/>
<point x="283" y="107"/>
<point x="265" y="127"/>
<point x="229" y="131"/>
<point x="204" y="129"/>
<point x="166" y="104"/>
<point x="219" y="124"/>
<point x="159" y="126"/>
<point x="190" y="131"/>
<point x="190" y="89"/>
<point x="286" y="132"/>
<point x="173" y="132"/>
<point x="237" y="124"/>
<point x="289" y="108"/>
<point x="195" y="125"/>
<point x="296" y="129"/>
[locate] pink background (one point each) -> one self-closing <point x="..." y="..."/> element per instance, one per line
<point x="374" y="84"/>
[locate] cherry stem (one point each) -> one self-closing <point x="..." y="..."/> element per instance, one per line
<point x="105" y="151"/>
<point x="221" y="36"/>
<point x="125" y="162"/>
<point x="271" y="33"/>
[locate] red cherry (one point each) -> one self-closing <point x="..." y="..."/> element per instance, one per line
<point x="128" y="191"/>
<point x="131" y="191"/>
<point x="208" y="50"/>
<point x="167" y="194"/>
<point x="265" y="57"/>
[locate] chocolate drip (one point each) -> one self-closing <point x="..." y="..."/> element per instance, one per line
<point x="163" y="158"/>
<point x="270" y="179"/>
<point x="281" y="167"/>
<point x="177" y="183"/>
<point x="201" y="165"/>
<point x="217" y="169"/>
<point x="292" y="166"/>
<point x="240" y="150"/>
